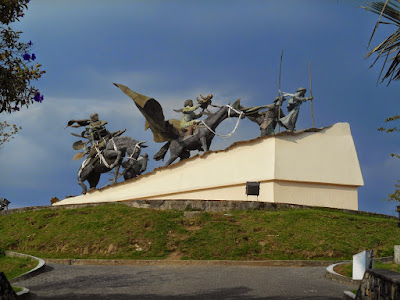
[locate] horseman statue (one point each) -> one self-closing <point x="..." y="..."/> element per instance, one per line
<point x="190" y="133"/>
<point x="104" y="152"/>
<point x="190" y="120"/>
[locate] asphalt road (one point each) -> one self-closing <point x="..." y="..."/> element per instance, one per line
<point x="182" y="282"/>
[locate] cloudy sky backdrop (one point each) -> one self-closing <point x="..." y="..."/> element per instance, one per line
<point x="175" y="50"/>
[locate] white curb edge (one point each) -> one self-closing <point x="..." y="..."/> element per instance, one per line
<point x="36" y="270"/>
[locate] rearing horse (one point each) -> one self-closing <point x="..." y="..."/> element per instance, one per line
<point x="181" y="147"/>
<point x="112" y="156"/>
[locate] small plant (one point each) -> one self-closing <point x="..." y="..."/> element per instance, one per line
<point x="17" y="289"/>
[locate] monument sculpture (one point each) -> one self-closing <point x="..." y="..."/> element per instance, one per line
<point x="296" y="99"/>
<point x="189" y="117"/>
<point x="4" y="203"/>
<point x="328" y="177"/>
<point x="106" y="151"/>
<point x="268" y="119"/>
<point x="171" y="131"/>
<point x="134" y="167"/>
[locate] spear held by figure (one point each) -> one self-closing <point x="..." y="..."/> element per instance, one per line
<point x="279" y="95"/>
<point x="311" y="101"/>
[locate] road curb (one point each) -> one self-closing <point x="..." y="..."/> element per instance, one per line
<point x="119" y="262"/>
<point x="23" y="292"/>
<point x="35" y="271"/>
<point x="331" y="274"/>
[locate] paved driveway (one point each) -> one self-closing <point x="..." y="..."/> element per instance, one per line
<point x="182" y="282"/>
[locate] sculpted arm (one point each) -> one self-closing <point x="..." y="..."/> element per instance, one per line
<point x="287" y="94"/>
<point x="189" y="109"/>
<point x="302" y="99"/>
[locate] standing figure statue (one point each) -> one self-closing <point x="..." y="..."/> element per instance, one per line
<point x="296" y="99"/>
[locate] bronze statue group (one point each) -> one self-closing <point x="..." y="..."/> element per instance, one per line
<point x="104" y="151"/>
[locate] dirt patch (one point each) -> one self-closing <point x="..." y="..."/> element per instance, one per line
<point x="112" y="248"/>
<point x="175" y="255"/>
<point x="193" y="228"/>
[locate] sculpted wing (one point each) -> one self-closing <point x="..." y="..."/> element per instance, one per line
<point x="152" y="111"/>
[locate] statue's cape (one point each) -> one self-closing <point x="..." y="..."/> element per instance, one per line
<point x="253" y="110"/>
<point x="152" y="111"/>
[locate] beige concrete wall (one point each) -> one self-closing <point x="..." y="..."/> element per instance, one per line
<point x="308" y="168"/>
<point x="316" y="194"/>
<point x="328" y="156"/>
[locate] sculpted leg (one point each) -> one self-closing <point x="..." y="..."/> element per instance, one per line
<point x="185" y="154"/>
<point x="175" y="151"/>
<point x="116" y="170"/>
<point x="203" y="141"/>
<point x="171" y="160"/>
<point x="84" y="188"/>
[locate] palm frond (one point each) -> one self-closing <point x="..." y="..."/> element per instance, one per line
<point x="387" y="11"/>
<point x="372" y="5"/>
<point x="390" y="47"/>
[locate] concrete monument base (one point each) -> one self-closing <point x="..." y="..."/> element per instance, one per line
<point x="316" y="167"/>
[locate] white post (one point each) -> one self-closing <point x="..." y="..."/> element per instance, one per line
<point x="361" y="262"/>
<point x="397" y="254"/>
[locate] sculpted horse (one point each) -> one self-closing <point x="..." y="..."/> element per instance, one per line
<point x="181" y="146"/>
<point x="134" y="167"/>
<point x="111" y="157"/>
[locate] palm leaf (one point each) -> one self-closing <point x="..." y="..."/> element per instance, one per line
<point x="390" y="47"/>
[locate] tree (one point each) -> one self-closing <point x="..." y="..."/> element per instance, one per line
<point x="7" y="131"/>
<point x="396" y="194"/>
<point x="17" y="71"/>
<point x="389" y="49"/>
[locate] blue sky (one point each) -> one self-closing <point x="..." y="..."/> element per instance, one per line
<point x="175" y="50"/>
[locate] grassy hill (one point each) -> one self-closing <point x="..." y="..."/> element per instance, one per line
<point x="118" y="231"/>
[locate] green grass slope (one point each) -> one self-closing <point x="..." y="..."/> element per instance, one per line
<point x="118" y="231"/>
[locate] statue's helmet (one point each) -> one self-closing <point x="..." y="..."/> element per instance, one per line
<point x="277" y="99"/>
<point x="188" y="102"/>
<point x="301" y="89"/>
<point x="94" y="117"/>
